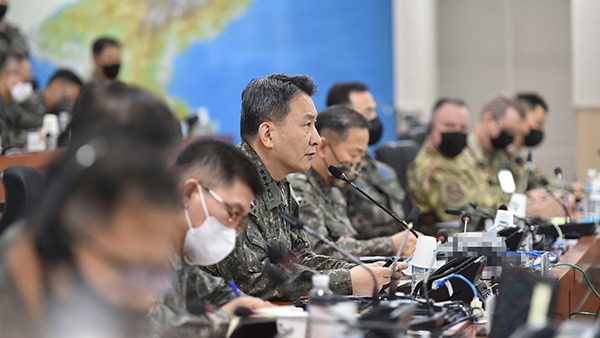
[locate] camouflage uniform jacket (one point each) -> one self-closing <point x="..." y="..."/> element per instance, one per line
<point x="267" y="238"/>
<point x="171" y="318"/>
<point x="18" y="119"/>
<point x="13" y="42"/>
<point x="490" y="164"/>
<point x="324" y="210"/>
<point x="380" y="181"/>
<point x="436" y="182"/>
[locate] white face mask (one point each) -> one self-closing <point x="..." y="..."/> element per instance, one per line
<point x="210" y="243"/>
<point x="21" y="91"/>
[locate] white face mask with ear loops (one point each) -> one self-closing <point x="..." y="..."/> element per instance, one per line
<point x="211" y="242"/>
<point x="21" y="91"/>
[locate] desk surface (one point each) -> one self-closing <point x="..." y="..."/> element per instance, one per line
<point x="574" y="293"/>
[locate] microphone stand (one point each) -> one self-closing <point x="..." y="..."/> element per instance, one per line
<point x="394" y="268"/>
<point x="527" y="171"/>
<point x="337" y="173"/>
<point x="559" y="175"/>
<point x="544" y="185"/>
<point x="296" y="223"/>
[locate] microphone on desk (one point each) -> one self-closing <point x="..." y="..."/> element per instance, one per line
<point x="527" y="171"/>
<point x="440" y="239"/>
<point x="544" y="184"/>
<point x="339" y="174"/>
<point x="466" y="218"/>
<point x="559" y="174"/>
<point x="481" y="211"/>
<point x="296" y="223"/>
<point x="414" y="215"/>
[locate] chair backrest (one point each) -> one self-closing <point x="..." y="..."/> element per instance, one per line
<point x="399" y="154"/>
<point x="22" y="189"/>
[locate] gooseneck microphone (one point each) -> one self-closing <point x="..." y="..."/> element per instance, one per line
<point x="296" y="223"/>
<point x="339" y="174"/>
<point x="441" y="238"/>
<point x="559" y="175"/>
<point x="413" y="216"/>
<point x="544" y="184"/>
<point x="527" y="171"/>
<point x="466" y="218"/>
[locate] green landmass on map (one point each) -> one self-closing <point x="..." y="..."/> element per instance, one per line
<point x="152" y="32"/>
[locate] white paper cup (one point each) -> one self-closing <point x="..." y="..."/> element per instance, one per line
<point x="292" y="324"/>
<point x="504" y="219"/>
<point x="518" y="205"/>
<point x="425" y="252"/>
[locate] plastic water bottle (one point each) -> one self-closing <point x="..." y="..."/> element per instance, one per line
<point x="586" y="204"/>
<point x="595" y="198"/>
<point x="320" y="287"/>
<point x="319" y="321"/>
<point x="328" y="311"/>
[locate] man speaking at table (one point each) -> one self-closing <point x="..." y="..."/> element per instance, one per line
<point x="279" y="136"/>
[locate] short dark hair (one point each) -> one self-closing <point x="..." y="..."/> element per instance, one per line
<point x="268" y="99"/>
<point x="339" y="119"/>
<point x="530" y="100"/>
<point x="90" y="181"/>
<point x="340" y="92"/>
<point x="221" y="162"/>
<point x="66" y="75"/>
<point x="103" y="42"/>
<point x="500" y="104"/>
<point x="119" y="106"/>
<point x="6" y="59"/>
<point x="443" y="100"/>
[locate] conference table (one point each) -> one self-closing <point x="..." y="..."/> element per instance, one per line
<point x="574" y="294"/>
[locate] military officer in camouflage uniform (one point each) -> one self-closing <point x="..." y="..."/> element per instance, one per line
<point x="344" y="140"/>
<point x="377" y="179"/>
<point x="216" y="176"/>
<point x="490" y="146"/>
<point x="12" y="40"/>
<point x="442" y="176"/>
<point x="17" y="118"/>
<point x="272" y="259"/>
<point x="493" y="134"/>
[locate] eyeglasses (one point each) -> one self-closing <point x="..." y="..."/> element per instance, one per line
<point x="234" y="215"/>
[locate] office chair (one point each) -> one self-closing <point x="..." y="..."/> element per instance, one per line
<point x="399" y="154"/>
<point x="22" y="188"/>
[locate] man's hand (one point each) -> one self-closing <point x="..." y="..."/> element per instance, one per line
<point x="362" y="283"/>
<point x="252" y="303"/>
<point x="409" y="246"/>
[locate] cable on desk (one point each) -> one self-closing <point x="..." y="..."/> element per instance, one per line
<point x="583" y="272"/>
<point x="553" y="257"/>
<point x="582" y="313"/>
<point x="440" y="283"/>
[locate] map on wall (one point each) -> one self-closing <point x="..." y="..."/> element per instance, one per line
<point x="198" y="55"/>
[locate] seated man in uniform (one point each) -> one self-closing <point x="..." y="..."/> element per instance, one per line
<point x="376" y="178"/>
<point x="272" y="259"/>
<point x="500" y="122"/>
<point x="344" y="140"/>
<point x="442" y="176"/>
<point x="218" y="183"/>
<point x="536" y="111"/>
<point x="490" y="145"/>
<point x="20" y="111"/>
